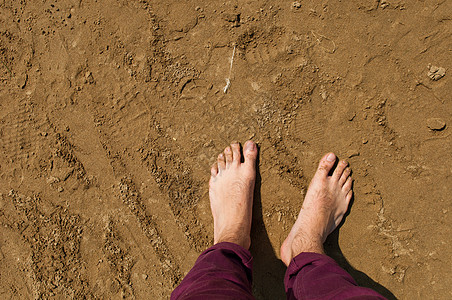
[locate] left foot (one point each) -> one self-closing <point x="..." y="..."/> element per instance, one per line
<point x="323" y="208"/>
<point x="231" y="190"/>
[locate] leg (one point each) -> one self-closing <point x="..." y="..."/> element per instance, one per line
<point x="224" y="270"/>
<point x="311" y="274"/>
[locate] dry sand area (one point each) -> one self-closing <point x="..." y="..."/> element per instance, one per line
<point x="112" y="111"/>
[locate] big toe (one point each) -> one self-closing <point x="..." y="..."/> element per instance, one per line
<point x="326" y="164"/>
<point x="250" y="154"/>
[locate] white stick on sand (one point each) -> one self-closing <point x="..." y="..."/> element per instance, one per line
<point x="228" y="80"/>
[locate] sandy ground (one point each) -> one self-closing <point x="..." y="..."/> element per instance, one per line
<point x="111" y="113"/>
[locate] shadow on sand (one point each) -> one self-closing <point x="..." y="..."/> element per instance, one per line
<point x="268" y="270"/>
<point x="333" y="250"/>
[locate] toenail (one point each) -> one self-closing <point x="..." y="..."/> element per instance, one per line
<point x="331" y="157"/>
<point x="228" y="149"/>
<point x="250" y="146"/>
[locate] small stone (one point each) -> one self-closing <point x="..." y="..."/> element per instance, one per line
<point x="52" y="179"/>
<point x="89" y="77"/>
<point x="60" y="189"/>
<point x="352" y="153"/>
<point x="364" y="141"/>
<point x="232" y="17"/>
<point x="435" y="73"/>
<point x="23" y="79"/>
<point x="296" y="4"/>
<point x="436" y="124"/>
<point x="208" y="144"/>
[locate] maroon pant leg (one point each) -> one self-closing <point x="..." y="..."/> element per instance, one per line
<point x="317" y="276"/>
<point x="221" y="272"/>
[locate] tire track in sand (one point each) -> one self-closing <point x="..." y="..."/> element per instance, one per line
<point x="159" y="152"/>
<point x="54" y="237"/>
<point x="131" y="198"/>
<point x="114" y="127"/>
<point x="118" y="258"/>
<point x="176" y="180"/>
<point x="17" y="138"/>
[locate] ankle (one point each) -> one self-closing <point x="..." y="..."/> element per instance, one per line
<point x="303" y="243"/>
<point x="243" y="241"/>
<point x="311" y="249"/>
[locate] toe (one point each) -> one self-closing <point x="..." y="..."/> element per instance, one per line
<point x="214" y="170"/>
<point x="344" y="176"/>
<point x="228" y="155"/>
<point x="325" y="165"/>
<point x="347" y="185"/>
<point x="235" y="146"/>
<point x="339" y="170"/>
<point x="349" y="197"/>
<point x="250" y="154"/>
<point x="221" y="162"/>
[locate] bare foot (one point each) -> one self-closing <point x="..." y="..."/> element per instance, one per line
<point x="231" y="190"/>
<point x="323" y="208"/>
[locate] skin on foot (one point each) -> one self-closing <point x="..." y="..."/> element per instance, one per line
<point x="324" y="206"/>
<point x="231" y="189"/>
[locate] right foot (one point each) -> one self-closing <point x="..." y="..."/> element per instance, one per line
<point x="231" y="190"/>
<point x="325" y="205"/>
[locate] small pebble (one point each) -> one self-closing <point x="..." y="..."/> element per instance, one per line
<point x="436" y="124"/>
<point x="52" y="179"/>
<point x="436" y="73"/>
<point x="352" y="153"/>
